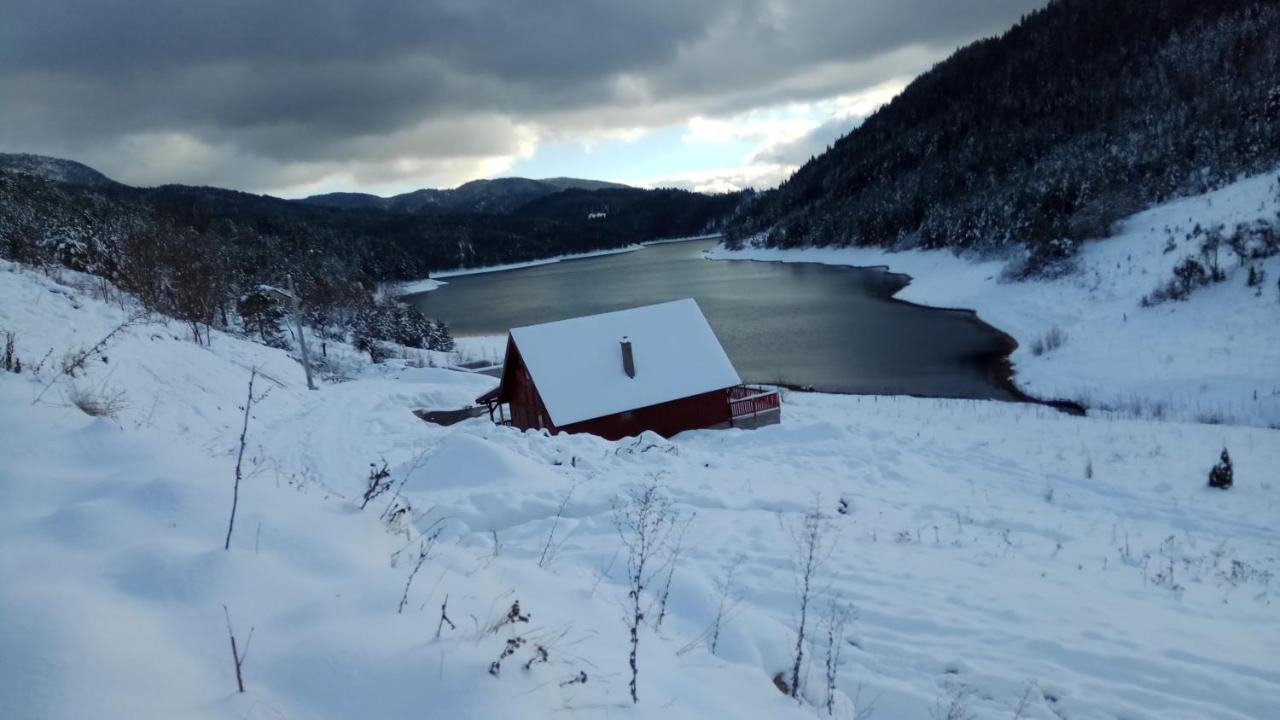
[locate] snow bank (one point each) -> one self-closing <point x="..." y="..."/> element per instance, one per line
<point x="688" y="238"/>
<point x="1212" y="358"/>
<point x="490" y="348"/>
<point x="413" y="287"/>
<point x="987" y="547"/>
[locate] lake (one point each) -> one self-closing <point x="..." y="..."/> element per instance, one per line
<point x="832" y="328"/>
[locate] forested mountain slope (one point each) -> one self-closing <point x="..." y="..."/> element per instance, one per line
<point x="1083" y="113"/>
<point x="499" y="195"/>
<point x="194" y="252"/>
<point x="662" y="213"/>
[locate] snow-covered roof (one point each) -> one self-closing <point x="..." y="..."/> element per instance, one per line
<point x="577" y="363"/>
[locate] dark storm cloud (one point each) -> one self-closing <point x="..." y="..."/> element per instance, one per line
<point x="291" y="88"/>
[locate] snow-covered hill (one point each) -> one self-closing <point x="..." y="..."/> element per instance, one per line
<point x="54" y="169"/>
<point x="997" y="555"/>
<point x="1212" y="358"/>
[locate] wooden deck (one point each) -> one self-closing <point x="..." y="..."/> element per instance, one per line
<point x="753" y="407"/>
<point x="749" y="407"/>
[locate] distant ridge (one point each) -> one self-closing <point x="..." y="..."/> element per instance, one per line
<point x="54" y="169"/>
<point x="61" y="211"/>
<point x="499" y="195"/>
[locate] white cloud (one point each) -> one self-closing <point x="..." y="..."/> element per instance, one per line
<point x="727" y="179"/>
<point x="256" y="96"/>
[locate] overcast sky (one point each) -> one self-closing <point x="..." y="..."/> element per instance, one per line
<point x="386" y="96"/>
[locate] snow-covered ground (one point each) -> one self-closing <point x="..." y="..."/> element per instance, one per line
<point x="992" y="551"/>
<point x="1212" y="358"/>
<point x="413" y="287"/>
<point x="689" y="238"/>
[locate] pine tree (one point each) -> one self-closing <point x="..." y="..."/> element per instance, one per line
<point x="441" y="339"/>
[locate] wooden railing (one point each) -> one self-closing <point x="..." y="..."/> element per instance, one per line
<point x="747" y="400"/>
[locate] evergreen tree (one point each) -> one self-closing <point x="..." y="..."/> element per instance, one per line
<point x="1221" y="476"/>
<point x="441" y="338"/>
<point x="262" y="315"/>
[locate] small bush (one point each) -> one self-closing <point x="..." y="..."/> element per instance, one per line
<point x="378" y="482"/>
<point x="9" y="361"/>
<point x="1050" y="341"/>
<point x="1222" y="476"/>
<point x="98" y="402"/>
<point x="378" y="353"/>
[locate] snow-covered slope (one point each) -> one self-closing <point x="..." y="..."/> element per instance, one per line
<point x="992" y="551"/>
<point x="1212" y="358"/>
<point x="55" y="169"/>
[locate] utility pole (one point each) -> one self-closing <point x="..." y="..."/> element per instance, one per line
<point x="302" y="339"/>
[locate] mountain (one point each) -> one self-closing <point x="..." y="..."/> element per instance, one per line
<point x="567" y="183"/>
<point x="100" y="227"/>
<point x="1083" y="113"/>
<point x="500" y="195"/>
<point x="662" y="213"/>
<point x="54" y="169"/>
<point x="194" y="252"/>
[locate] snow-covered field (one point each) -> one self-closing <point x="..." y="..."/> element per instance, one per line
<point x="1212" y="358"/>
<point x="992" y="552"/>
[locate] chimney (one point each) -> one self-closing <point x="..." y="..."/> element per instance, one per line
<point x="628" y="360"/>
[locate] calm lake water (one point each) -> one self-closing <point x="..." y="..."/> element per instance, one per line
<point x="835" y="329"/>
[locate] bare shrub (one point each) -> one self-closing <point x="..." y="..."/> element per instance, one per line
<point x="728" y="598"/>
<point x="550" y="547"/>
<point x="236" y="654"/>
<point x="671" y="570"/>
<point x="811" y="534"/>
<point x="645" y="521"/>
<point x="444" y="618"/>
<point x="378" y="482"/>
<point x="513" y="644"/>
<point x="1055" y="338"/>
<point x="837" y="617"/>
<point x="425" y="544"/>
<point x="1024" y="702"/>
<point x="98" y="402"/>
<point x="73" y="362"/>
<point x="244" y="431"/>
<point x="9" y="361"/>
<point x="953" y="703"/>
<point x="399" y="511"/>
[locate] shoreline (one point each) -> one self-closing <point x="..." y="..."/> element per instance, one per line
<point x="689" y="238"/>
<point x="998" y="366"/>
<point x="417" y="287"/>
<point x="1087" y="335"/>
<point x="436" y="280"/>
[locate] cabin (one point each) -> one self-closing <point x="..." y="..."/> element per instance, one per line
<point x="658" y="368"/>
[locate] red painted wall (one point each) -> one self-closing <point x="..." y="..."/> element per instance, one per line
<point x="518" y="390"/>
<point x="667" y="419"/>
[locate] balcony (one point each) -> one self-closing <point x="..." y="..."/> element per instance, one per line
<point x="753" y="407"/>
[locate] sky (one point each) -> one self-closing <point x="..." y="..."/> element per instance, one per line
<point x="386" y="96"/>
